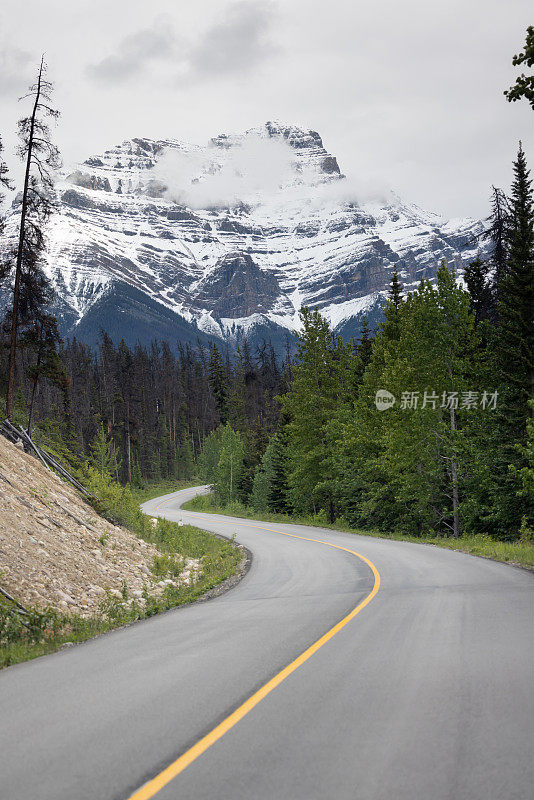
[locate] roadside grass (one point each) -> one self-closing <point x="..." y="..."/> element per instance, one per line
<point x="41" y="632"/>
<point x="519" y="553"/>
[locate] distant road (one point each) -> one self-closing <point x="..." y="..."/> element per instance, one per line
<point x="423" y="691"/>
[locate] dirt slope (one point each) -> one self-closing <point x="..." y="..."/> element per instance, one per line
<point x="47" y="557"/>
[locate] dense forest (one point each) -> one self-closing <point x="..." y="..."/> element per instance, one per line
<point x="424" y="426"/>
<point x="148" y="413"/>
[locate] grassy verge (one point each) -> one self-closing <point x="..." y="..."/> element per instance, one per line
<point x="23" y="638"/>
<point x="520" y="553"/>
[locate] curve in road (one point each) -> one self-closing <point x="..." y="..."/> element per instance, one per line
<point x="154" y="786"/>
<point x="427" y="695"/>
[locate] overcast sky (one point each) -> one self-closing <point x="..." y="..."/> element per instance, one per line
<point x="406" y="93"/>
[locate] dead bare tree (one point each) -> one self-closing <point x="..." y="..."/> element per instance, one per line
<point x="41" y="157"/>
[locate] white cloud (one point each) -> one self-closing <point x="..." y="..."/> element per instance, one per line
<point x="255" y="170"/>
<point x="238" y="41"/>
<point x="226" y="176"/>
<point x="135" y="52"/>
<point x="17" y="68"/>
<point x="407" y="94"/>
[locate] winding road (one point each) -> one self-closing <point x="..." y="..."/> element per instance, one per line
<point x="341" y="667"/>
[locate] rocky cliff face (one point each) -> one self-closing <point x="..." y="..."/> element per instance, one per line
<point x="231" y="239"/>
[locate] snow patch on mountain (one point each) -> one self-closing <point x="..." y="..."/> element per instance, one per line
<point x="239" y="234"/>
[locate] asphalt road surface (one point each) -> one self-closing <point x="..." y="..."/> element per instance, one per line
<point x="424" y="691"/>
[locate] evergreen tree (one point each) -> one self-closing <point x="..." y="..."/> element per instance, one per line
<point x="312" y="398"/>
<point x="526" y="475"/>
<point x="43" y="339"/>
<point x="259" y="497"/>
<point x="407" y="466"/>
<point x="395" y="296"/>
<point x="265" y="494"/>
<point x="393" y="305"/>
<point x="185" y="461"/>
<point x="102" y="453"/>
<point x="514" y="348"/>
<point x="31" y="289"/>
<point x="218" y="383"/>
<point x="479" y="286"/>
<point x="524" y="84"/>
<point x="498" y="234"/>
<point x="363" y="355"/>
<point x="516" y="304"/>
<point x="279" y="489"/>
<point x="232" y="396"/>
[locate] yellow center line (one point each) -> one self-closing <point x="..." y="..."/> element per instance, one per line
<point x="166" y="776"/>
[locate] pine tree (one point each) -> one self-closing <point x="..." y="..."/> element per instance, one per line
<point x="184" y="459"/>
<point x="44" y="340"/>
<point x="279" y="488"/>
<point x="515" y="349"/>
<point x="395" y="292"/>
<point x="479" y="286"/>
<point x="31" y="289"/>
<point x="259" y="497"/>
<point x="265" y="495"/>
<point x="393" y="305"/>
<point x="102" y="454"/>
<point x="363" y="354"/>
<point x="313" y="396"/>
<point x="498" y="234"/>
<point x="524" y="84"/>
<point x="218" y="382"/>
<point x="515" y="344"/>
<point x="406" y="467"/>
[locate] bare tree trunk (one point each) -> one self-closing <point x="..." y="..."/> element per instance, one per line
<point x="331" y="515"/>
<point x="18" y="269"/>
<point x="115" y="461"/>
<point x="454" y="476"/>
<point x="128" y="448"/>
<point x="34" y="389"/>
<point x="199" y="438"/>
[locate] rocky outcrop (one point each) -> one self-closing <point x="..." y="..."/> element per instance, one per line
<point x="87" y="181"/>
<point x="77" y="200"/>
<point x="236" y="287"/>
<point x="330" y="165"/>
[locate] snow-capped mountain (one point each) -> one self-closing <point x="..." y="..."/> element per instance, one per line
<point x="161" y="239"/>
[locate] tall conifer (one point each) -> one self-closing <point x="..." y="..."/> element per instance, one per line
<point x="515" y="354"/>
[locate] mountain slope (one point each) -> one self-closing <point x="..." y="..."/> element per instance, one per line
<point x="231" y="239"/>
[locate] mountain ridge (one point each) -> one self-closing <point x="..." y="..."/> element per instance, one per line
<point x="232" y="238"/>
